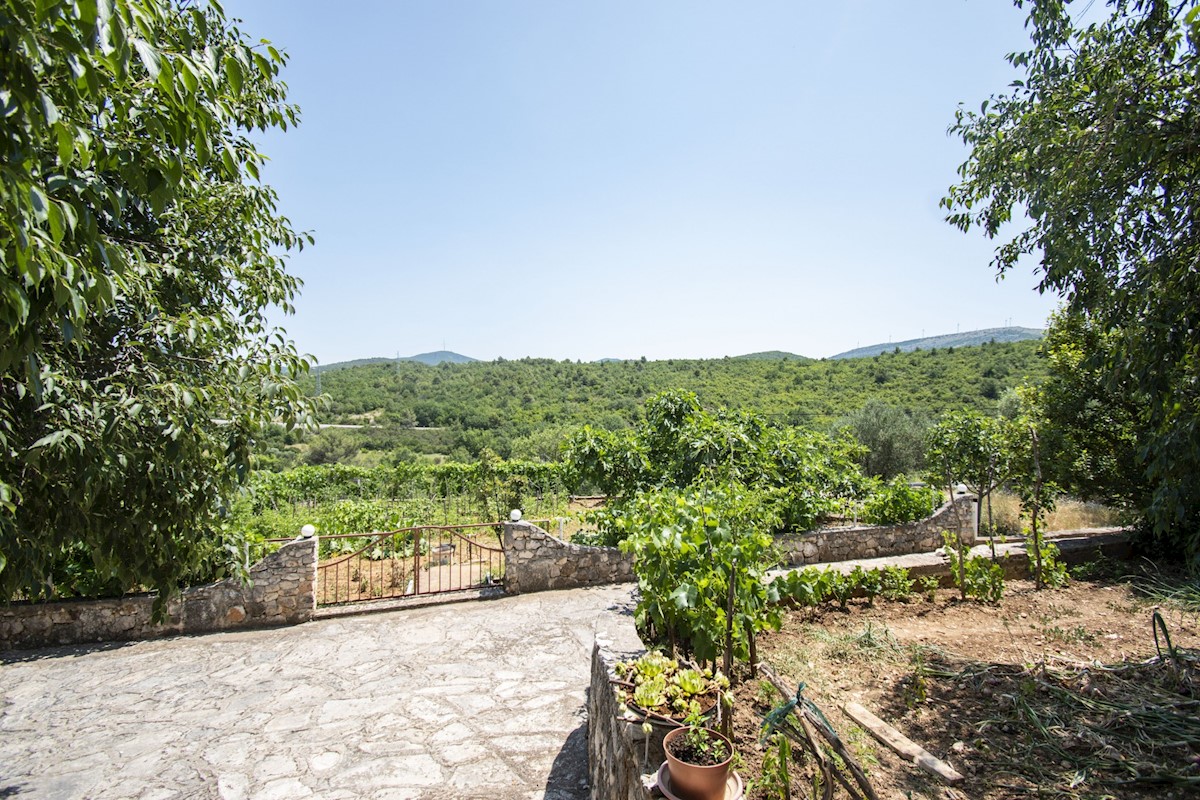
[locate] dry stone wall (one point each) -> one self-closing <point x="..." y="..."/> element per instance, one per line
<point x="844" y="544"/>
<point x="535" y="561"/>
<point x="282" y="591"/>
<point x="620" y="760"/>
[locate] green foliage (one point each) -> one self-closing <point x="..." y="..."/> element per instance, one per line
<point x="140" y="256"/>
<point x="969" y="447"/>
<point x="700" y="746"/>
<point x="808" y="587"/>
<point x="799" y="473"/>
<point x="894" y="438"/>
<point x="775" y="780"/>
<point x="1053" y="569"/>
<point x="841" y="587"/>
<point x="504" y="402"/>
<point x="868" y="582"/>
<point x="496" y="480"/>
<point x="978" y="577"/>
<point x="1028" y="476"/>
<point x="660" y="686"/>
<point x="346" y="500"/>
<point x="1094" y="432"/>
<point x="899" y="502"/>
<point x="929" y="585"/>
<point x="690" y="547"/>
<point x="811" y="586"/>
<point x="1096" y="144"/>
<point x="895" y="583"/>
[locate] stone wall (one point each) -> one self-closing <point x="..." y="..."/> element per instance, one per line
<point x="535" y="561"/>
<point x="282" y="591"/>
<point x="843" y="544"/>
<point x="618" y="754"/>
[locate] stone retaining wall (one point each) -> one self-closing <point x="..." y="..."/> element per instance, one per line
<point x="281" y="592"/>
<point x="845" y="544"/>
<point x="535" y="561"/>
<point x="618" y="754"/>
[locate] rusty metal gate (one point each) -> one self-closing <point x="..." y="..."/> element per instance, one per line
<point x="430" y="559"/>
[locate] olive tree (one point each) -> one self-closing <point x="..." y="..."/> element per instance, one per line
<point x="139" y="258"/>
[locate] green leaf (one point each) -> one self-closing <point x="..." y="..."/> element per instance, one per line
<point x="233" y="69"/>
<point x="38" y="200"/>
<point x="49" y="109"/>
<point x="148" y="54"/>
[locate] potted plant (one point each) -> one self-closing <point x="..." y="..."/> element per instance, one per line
<point x="698" y="763"/>
<point x="660" y="691"/>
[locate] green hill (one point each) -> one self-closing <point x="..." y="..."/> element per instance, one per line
<point x="967" y="339"/>
<point x="525" y="406"/>
<point x="773" y="355"/>
<point x="441" y="357"/>
<point x="433" y="359"/>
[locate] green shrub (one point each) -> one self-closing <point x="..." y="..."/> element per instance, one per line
<point x="867" y="581"/>
<point x="688" y="547"/>
<point x="1054" y="569"/>
<point x="897" y="585"/>
<point x="983" y="579"/>
<point x="897" y="502"/>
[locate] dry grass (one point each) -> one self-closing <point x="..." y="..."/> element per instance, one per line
<point x="1068" y="515"/>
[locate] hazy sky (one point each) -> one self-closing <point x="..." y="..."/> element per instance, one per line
<point x="615" y="178"/>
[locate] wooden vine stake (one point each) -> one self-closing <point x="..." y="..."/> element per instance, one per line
<point x="809" y="721"/>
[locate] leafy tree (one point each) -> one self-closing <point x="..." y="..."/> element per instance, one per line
<point x="1097" y="144"/>
<point x="139" y="257"/>
<point x="1094" y="431"/>
<point x="1033" y="484"/>
<point x="894" y="438"/>
<point x="951" y="444"/>
<point x="682" y="445"/>
<point x="975" y="449"/>
<point x="701" y="557"/>
<point x="332" y="446"/>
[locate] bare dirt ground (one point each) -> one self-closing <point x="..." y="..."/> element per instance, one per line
<point x="1048" y="694"/>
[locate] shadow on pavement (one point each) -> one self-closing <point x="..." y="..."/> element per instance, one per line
<point x="59" y="651"/>
<point x="568" y="779"/>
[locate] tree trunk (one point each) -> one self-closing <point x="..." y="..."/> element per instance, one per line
<point x="729" y="622"/>
<point x="991" y="525"/>
<point x="958" y="543"/>
<point x="1037" y="507"/>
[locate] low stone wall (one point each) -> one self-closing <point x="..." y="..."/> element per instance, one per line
<point x="618" y="753"/>
<point x="281" y="592"/>
<point x="844" y="544"/>
<point x="535" y="561"/>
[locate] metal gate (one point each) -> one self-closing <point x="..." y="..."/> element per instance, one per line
<point x="431" y="559"/>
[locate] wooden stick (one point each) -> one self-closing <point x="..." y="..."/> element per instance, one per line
<point x="900" y="743"/>
<point x="804" y="712"/>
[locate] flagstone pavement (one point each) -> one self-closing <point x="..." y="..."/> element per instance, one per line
<point x="469" y="700"/>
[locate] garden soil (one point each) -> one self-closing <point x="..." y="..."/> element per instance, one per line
<point x="971" y="683"/>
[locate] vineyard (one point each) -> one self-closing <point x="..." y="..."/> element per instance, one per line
<point x="344" y="502"/>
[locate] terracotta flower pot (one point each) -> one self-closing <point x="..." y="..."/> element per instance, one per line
<point x="693" y="781"/>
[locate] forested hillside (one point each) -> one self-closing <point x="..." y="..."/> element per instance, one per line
<point x="523" y="408"/>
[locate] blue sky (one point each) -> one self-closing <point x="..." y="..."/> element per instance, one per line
<point x="582" y="180"/>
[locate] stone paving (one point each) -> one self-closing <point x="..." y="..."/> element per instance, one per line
<point x="471" y="700"/>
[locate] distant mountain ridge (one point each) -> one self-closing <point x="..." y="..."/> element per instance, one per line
<point x="773" y="355"/>
<point x="965" y="339"/>
<point x="432" y="359"/>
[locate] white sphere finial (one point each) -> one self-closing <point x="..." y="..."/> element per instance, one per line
<point x="515" y="515"/>
<point x="308" y="531"/>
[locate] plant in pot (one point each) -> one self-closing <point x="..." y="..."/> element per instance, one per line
<point x="698" y="762"/>
<point x="663" y="692"/>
